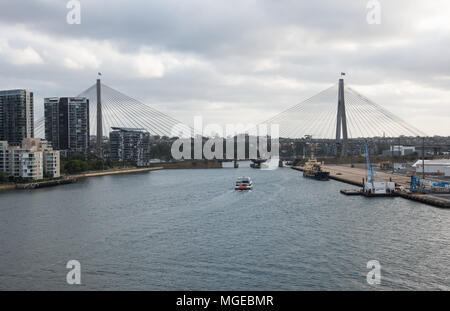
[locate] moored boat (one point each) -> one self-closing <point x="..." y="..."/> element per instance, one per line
<point x="313" y="169"/>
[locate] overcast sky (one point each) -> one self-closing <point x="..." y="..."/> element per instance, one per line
<point x="233" y="61"/>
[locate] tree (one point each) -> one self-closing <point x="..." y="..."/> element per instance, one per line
<point x="96" y="165"/>
<point x="75" y="166"/>
<point x="3" y="177"/>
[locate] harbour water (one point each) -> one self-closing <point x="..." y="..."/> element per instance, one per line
<point x="189" y="230"/>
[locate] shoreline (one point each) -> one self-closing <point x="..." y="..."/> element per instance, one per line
<point x="114" y="172"/>
<point x="120" y="171"/>
<point x="7" y="187"/>
<point x="191" y="164"/>
<point x="74" y="178"/>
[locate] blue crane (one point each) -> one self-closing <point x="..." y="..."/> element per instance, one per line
<point x="370" y="170"/>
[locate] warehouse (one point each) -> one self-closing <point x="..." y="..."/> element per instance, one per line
<point x="441" y="166"/>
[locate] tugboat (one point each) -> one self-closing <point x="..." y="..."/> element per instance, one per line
<point x="313" y="169"/>
<point x="244" y="183"/>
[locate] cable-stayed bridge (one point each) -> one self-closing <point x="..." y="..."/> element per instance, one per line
<point x="339" y="113"/>
<point x="120" y="110"/>
<point x="318" y="116"/>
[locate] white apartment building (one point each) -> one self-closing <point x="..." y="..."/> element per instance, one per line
<point x="30" y="164"/>
<point x="34" y="160"/>
<point x="52" y="163"/>
<point x="13" y="161"/>
<point x="4" y="167"/>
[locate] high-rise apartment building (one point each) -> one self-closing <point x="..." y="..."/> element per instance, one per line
<point x="16" y="116"/>
<point x="67" y="124"/>
<point x="130" y="144"/>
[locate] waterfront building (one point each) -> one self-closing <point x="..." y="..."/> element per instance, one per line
<point x="130" y="144"/>
<point x="67" y="124"/>
<point x="30" y="164"/>
<point x="52" y="164"/>
<point x="16" y="116"/>
<point x="35" y="159"/>
<point x="50" y="158"/>
<point x="4" y="167"/>
<point x="441" y="166"/>
<point x="14" y="162"/>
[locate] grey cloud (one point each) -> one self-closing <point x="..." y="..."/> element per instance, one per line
<point x="253" y="43"/>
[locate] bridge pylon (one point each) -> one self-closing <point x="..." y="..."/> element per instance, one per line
<point x="341" y="122"/>
<point x="99" y="121"/>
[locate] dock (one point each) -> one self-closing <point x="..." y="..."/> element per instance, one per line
<point x="354" y="176"/>
<point x="426" y="198"/>
<point x="360" y="192"/>
<point x="351" y="192"/>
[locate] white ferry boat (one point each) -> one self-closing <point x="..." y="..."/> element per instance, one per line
<point x="244" y="183"/>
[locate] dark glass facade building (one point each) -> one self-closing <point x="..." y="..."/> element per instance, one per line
<point x="16" y="116"/>
<point x="67" y="124"/>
